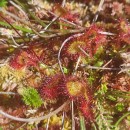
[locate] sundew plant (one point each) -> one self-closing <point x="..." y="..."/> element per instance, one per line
<point x="64" y="65"/>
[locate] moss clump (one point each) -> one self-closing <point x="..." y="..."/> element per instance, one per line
<point x="31" y="97"/>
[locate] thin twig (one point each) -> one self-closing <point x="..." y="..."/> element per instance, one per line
<point x="15" y="17"/>
<point x="63" y="3"/>
<point x="83" y="51"/>
<point x="77" y="64"/>
<point x="19" y="8"/>
<point x="125" y="69"/>
<point x="7" y="93"/>
<point x="98" y="10"/>
<point x="12" y="27"/>
<point x="22" y="21"/>
<point x="107" y="63"/>
<point x="47" y="125"/>
<point x="14" y="41"/>
<point x="99" y="68"/>
<point x="17" y="45"/>
<point x="65" y="20"/>
<point x="63" y="118"/>
<point x="37" y="33"/>
<point x="106" y="33"/>
<point x="34" y="119"/>
<point x="73" y="121"/>
<point x="63" y="44"/>
<point x="21" y="126"/>
<point x="53" y="20"/>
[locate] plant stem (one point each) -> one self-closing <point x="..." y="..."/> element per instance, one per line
<point x="125" y="115"/>
<point x="34" y="119"/>
<point x="63" y="44"/>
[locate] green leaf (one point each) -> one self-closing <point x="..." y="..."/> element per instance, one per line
<point x="91" y="79"/>
<point x="23" y="29"/>
<point x="121" y="118"/>
<point x="65" y="70"/>
<point x="3" y="3"/>
<point x="103" y="90"/>
<point x="112" y="98"/>
<point x="99" y="64"/>
<point x="82" y="123"/>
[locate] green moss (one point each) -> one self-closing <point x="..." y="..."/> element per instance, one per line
<point x="31" y="97"/>
<point x="3" y="3"/>
<point x="120" y="107"/>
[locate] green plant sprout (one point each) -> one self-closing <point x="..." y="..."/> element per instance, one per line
<point x="31" y="97"/>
